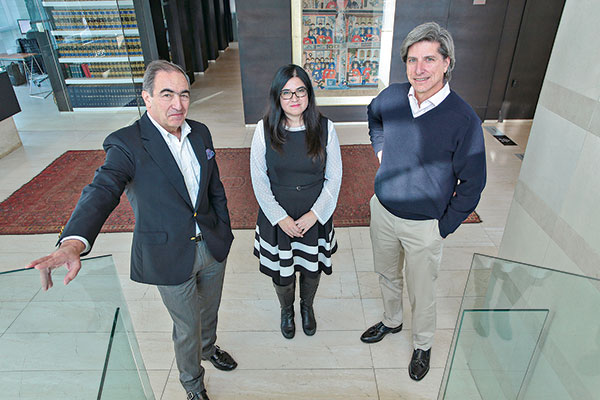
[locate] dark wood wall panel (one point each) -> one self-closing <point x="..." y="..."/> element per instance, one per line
<point x="228" y="21"/>
<point x="345" y="113"/>
<point x="506" y="50"/>
<point x="199" y="33"/>
<point x="532" y="53"/>
<point x="154" y="42"/>
<point x="210" y="29"/>
<point x="265" y="44"/>
<point x="410" y="13"/>
<point x="476" y="31"/>
<point x="181" y="43"/>
<point x="222" y="41"/>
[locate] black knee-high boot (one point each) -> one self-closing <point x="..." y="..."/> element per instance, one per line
<point x="308" y="289"/>
<point x="286" y="296"/>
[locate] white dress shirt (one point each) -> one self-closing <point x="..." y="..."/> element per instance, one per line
<point x="184" y="156"/>
<point x="429" y="104"/>
<point x="186" y="160"/>
<point x="327" y="200"/>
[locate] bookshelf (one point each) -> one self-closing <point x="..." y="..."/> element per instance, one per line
<point x="99" y="52"/>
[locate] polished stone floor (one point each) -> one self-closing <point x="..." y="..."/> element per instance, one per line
<point x="333" y="364"/>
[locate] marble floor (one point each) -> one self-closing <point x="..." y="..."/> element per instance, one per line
<point x="333" y="364"/>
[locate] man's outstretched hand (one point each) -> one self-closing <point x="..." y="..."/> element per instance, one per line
<point x="67" y="255"/>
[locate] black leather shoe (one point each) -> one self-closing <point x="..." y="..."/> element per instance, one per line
<point x="197" y="395"/>
<point x="377" y="332"/>
<point x="419" y="364"/>
<point x="309" y="324"/>
<point x="288" y="326"/>
<point x="222" y="360"/>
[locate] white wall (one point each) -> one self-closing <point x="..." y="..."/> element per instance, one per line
<point x="554" y="220"/>
<point x="10" y="11"/>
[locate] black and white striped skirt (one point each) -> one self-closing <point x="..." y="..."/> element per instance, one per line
<point x="281" y="256"/>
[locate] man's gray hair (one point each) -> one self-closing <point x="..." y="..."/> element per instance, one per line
<point x="431" y="32"/>
<point x="154" y="68"/>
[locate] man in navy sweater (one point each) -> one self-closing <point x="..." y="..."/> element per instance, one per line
<point x="430" y="146"/>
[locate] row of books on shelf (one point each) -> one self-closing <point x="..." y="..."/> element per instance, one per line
<point x="108" y="47"/>
<point x="103" y="70"/>
<point x="94" y="19"/>
<point x="105" y="95"/>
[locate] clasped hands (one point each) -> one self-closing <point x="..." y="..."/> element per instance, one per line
<point x="298" y="227"/>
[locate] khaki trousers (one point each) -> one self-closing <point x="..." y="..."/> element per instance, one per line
<point x="415" y="247"/>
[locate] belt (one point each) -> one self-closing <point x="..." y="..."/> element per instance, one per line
<point x="299" y="187"/>
<point x="197" y="238"/>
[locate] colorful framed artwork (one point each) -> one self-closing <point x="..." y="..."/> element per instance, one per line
<point x="345" y="46"/>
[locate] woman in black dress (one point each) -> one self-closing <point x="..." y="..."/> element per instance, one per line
<point x="296" y="171"/>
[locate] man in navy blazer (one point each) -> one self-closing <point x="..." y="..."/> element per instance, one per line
<point x="182" y="235"/>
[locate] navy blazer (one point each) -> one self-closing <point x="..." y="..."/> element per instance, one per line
<point x="139" y="162"/>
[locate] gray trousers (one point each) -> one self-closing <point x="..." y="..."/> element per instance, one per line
<point x="193" y="306"/>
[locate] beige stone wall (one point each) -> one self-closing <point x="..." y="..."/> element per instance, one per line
<point x="554" y="220"/>
<point x="9" y="137"/>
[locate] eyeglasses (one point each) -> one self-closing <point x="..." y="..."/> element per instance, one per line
<point x="288" y="94"/>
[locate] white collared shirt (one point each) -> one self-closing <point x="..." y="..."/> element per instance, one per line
<point x="428" y="104"/>
<point x="184" y="156"/>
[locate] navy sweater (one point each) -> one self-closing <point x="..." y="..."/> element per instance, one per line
<point x="433" y="166"/>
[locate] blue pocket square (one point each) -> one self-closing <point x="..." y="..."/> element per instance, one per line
<point x="209" y="154"/>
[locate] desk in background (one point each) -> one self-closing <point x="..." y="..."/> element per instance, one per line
<point x="34" y="80"/>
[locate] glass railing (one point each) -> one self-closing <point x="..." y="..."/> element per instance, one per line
<point x="524" y="332"/>
<point x="71" y="342"/>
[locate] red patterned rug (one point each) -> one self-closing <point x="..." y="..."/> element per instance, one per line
<point x="44" y="204"/>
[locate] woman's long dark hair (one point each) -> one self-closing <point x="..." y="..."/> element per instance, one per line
<point x="274" y="120"/>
